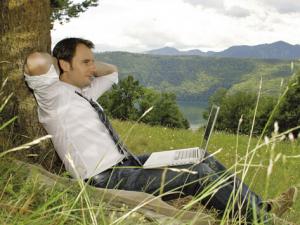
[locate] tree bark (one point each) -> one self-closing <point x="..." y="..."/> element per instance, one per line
<point x="24" y="27"/>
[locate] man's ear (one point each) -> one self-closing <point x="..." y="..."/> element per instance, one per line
<point x="64" y="65"/>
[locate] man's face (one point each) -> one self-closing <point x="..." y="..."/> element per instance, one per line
<point x="82" y="68"/>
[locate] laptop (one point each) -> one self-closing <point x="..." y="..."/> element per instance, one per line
<point x="186" y="155"/>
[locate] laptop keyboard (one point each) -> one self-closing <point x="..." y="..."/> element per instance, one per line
<point x="187" y="154"/>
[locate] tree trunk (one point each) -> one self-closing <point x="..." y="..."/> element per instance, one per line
<point x="24" y="27"/>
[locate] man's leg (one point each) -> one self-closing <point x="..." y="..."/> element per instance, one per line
<point x="174" y="184"/>
<point x="245" y="192"/>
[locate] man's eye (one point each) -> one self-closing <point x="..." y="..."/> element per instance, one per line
<point x="88" y="62"/>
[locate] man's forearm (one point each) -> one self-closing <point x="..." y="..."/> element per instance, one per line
<point x="103" y="69"/>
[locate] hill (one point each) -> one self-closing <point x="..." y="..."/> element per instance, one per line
<point x="195" y="78"/>
<point x="174" y="51"/>
<point x="277" y="50"/>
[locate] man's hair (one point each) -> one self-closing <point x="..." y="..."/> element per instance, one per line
<point x="65" y="49"/>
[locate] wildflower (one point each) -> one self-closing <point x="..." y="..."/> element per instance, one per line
<point x="267" y="140"/>
<point x="291" y="137"/>
<point x="276" y="127"/>
<point x="270" y="168"/>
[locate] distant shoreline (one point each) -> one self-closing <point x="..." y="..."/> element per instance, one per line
<point x="193" y="111"/>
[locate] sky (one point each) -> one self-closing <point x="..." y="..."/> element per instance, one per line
<point x="207" y="25"/>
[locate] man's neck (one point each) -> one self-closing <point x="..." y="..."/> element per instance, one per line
<point x="65" y="79"/>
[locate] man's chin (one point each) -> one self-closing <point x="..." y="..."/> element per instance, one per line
<point x="86" y="84"/>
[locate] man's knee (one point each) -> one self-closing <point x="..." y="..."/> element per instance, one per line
<point x="37" y="63"/>
<point x="203" y="169"/>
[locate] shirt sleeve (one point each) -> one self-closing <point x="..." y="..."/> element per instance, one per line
<point x="44" y="87"/>
<point x="101" y="84"/>
<point x="42" y="81"/>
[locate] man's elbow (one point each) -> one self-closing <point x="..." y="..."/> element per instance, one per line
<point x="37" y="63"/>
<point x="111" y="68"/>
<point x="114" y="68"/>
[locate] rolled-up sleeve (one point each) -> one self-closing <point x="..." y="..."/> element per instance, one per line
<point x="101" y="84"/>
<point x="44" y="87"/>
<point x="42" y="81"/>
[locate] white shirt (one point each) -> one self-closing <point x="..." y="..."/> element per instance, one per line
<point x="78" y="135"/>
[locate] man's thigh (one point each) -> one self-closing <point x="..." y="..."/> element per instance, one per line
<point x="171" y="182"/>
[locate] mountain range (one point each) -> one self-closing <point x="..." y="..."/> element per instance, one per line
<point x="196" y="78"/>
<point x="277" y="50"/>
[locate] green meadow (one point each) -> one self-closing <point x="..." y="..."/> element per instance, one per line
<point x="143" y="139"/>
<point x="25" y="201"/>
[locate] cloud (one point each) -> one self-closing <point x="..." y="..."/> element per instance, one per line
<point x="141" y="25"/>
<point x="221" y="7"/>
<point x="237" y="11"/>
<point x="215" y="4"/>
<point x="283" y="6"/>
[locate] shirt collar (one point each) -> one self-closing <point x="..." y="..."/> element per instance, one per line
<point x="74" y="88"/>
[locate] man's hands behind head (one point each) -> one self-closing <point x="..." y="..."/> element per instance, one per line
<point x="39" y="63"/>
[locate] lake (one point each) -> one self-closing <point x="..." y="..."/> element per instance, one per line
<point x="193" y="112"/>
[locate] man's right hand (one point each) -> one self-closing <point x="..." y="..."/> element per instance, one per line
<point x="39" y="63"/>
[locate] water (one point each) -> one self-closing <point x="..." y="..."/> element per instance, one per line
<point x="193" y="112"/>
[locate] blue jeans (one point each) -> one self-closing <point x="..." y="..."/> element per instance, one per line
<point x="174" y="184"/>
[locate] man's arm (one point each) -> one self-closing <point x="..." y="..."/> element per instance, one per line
<point x="103" y="69"/>
<point x="103" y="83"/>
<point x="38" y="63"/>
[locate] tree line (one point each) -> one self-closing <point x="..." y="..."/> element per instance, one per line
<point x="240" y="107"/>
<point x="194" y="77"/>
<point x="128" y="100"/>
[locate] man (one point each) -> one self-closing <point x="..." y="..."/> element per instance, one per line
<point x="66" y="87"/>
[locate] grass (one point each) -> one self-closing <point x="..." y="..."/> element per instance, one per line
<point x="269" y="170"/>
<point x="26" y="202"/>
<point x="144" y="139"/>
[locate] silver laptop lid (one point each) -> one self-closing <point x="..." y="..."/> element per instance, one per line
<point x="210" y="126"/>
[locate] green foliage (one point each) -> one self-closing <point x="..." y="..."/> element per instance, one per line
<point x="63" y="10"/>
<point x="121" y="101"/>
<point x="165" y="110"/>
<point x="288" y="114"/>
<point x="129" y="101"/>
<point x="195" y="78"/>
<point x="241" y="105"/>
<point x="216" y="99"/>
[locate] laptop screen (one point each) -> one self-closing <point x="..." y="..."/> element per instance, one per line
<point x="210" y="126"/>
